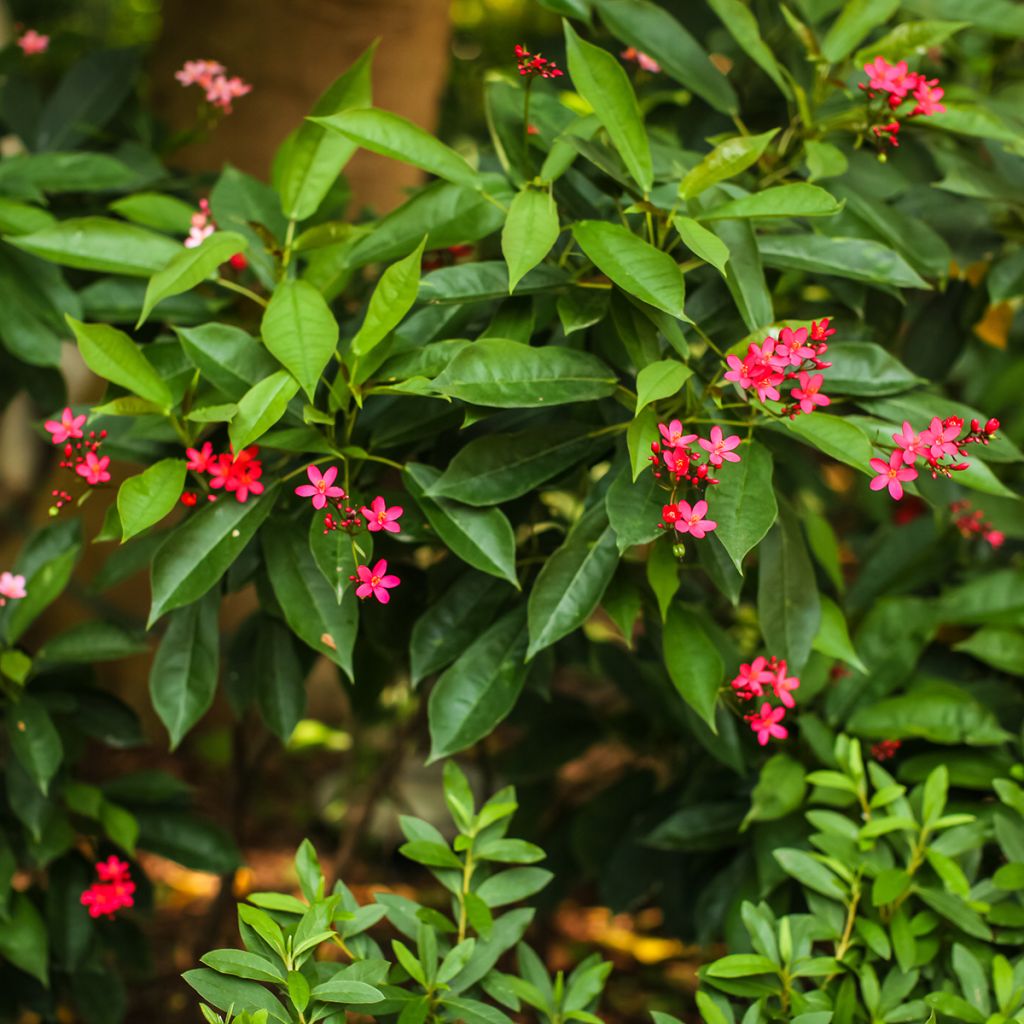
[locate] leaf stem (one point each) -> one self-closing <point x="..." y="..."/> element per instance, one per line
<point x="241" y="290"/>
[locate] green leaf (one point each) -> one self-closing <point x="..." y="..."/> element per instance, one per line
<point x="636" y="266"/>
<point x="810" y="873"/>
<point x="112" y="355"/>
<point x="500" y="467"/>
<point x="199" y="551"/>
<point x="242" y="964"/>
<point x="434" y="855"/>
<point x="34" y="740"/>
<point x="183" y="677"/>
<point x="651" y="29"/>
<point x="91" y="641"/>
<point x="726" y="160"/>
<point x="639" y="435"/>
<point x="342" y="990"/>
<point x="634" y="510"/>
<point x="309" y="603"/>
<point x="513" y="885"/>
<point x="480" y="688"/>
<point x="100" y="243"/>
<point x="835" y="436"/>
<point x="779" y="791"/>
<point x="742" y="24"/>
<point x="336" y="555"/>
<point x="998" y="646"/>
<point x="24" y="941"/>
<point x="824" y="160"/>
<point x="740" y="965"/>
<point x="693" y="662"/>
<point x="391" y="300"/>
<point x="168" y="214"/>
<point x="229" y="358"/>
<point x="956" y="910"/>
<point x="279" y="679"/>
<point x="858" y="259"/>
<point x="300" y="331"/>
<point x="910" y="37"/>
<point x="863" y="368"/>
<point x="797" y="200"/>
<point x="228" y="993"/>
<point x="314" y="157"/>
<point x="530" y="230"/>
<point x="510" y="375"/>
<point x="833" y="638"/>
<point x="744" y="273"/>
<point x="787" y="593"/>
<point x="260" y="408"/>
<point x="191" y="267"/>
<point x="145" y="499"/>
<point x="743" y="504"/>
<point x="662" y="379"/>
<point x="663" y="576"/>
<point x="855" y="21"/>
<point x="482" y="538"/>
<point x="701" y="242"/>
<point x="601" y="80"/>
<point x="572" y="581"/>
<point x="390" y="135"/>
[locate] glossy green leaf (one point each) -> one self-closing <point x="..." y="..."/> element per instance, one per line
<point x="836" y="436"/>
<point x="112" y="355"/>
<point x="909" y="37"/>
<point x="779" y="791"/>
<point x="279" y="679"/>
<point x="260" y="408"/>
<point x="662" y="379"/>
<point x="858" y="259"/>
<point x="701" y="242"/>
<point x="740" y="21"/>
<point x="726" y="160"/>
<point x="693" y="662"/>
<point x="570" y="585"/>
<point x="743" y="504"/>
<point x="183" y="677"/>
<point x="391" y="300"/>
<point x="864" y="368"/>
<point x="241" y="963"/>
<point x="229" y="358"/>
<point x="998" y="646"/>
<point x="531" y="229"/>
<point x="227" y="993"/>
<point x="797" y="200"/>
<point x="34" y="740"/>
<point x="199" y="551"/>
<point x="636" y="266"/>
<point x="833" y="637"/>
<point x="601" y="80"/>
<point x="390" y="135"/>
<point x="143" y="500"/>
<point x="168" y="214"/>
<point x="510" y="375"/>
<point x="744" y="273"/>
<point x="24" y="941"/>
<point x="856" y="19"/>
<point x="634" y="509"/>
<point x="480" y="688"/>
<point x="300" y="331"/>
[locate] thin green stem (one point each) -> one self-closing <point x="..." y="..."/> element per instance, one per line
<point x="467" y="877"/>
<point x="241" y="290"/>
<point x="526" y="127"/>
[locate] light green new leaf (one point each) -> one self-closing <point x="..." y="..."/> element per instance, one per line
<point x="660" y="380"/>
<point x="314" y="157"/>
<point x="726" y="160"/>
<point x="190" y="267"/>
<point x="112" y="355"/>
<point x="168" y="214"/>
<point x="744" y="503"/>
<point x="530" y="231"/>
<point x="639" y="435"/>
<point x="300" y="331"/>
<point x="855" y="21"/>
<point x="701" y="242"/>
<point x="390" y="135"/>
<point x="146" y="498"/>
<point x="797" y="200"/>
<point x="601" y="80"/>
<point x="636" y="266"/>
<point x="693" y="662"/>
<point x="391" y="300"/>
<point x="260" y="408"/>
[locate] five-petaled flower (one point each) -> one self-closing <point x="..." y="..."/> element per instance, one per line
<point x="12" y="587"/>
<point x="320" y="486"/>
<point x="94" y="468"/>
<point x="211" y="76"/>
<point x="114" y="890"/>
<point x="375" y="581"/>
<point x="69" y="425"/>
<point x="33" y="42"/>
<point x="380" y="517"/>
<point x="765" y="723"/>
<point x="200" y="459"/>
<point x="691" y="519"/>
<point x="719" y="448"/>
<point x="752" y="678"/>
<point x="809" y="393"/>
<point x="892" y="474"/>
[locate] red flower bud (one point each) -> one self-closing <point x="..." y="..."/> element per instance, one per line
<point x="189" y="498"/>
<point x="992" y="426"/>
<point x="975" y="426"/>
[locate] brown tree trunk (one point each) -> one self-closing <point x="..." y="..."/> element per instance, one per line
<point x="290" y="51"/>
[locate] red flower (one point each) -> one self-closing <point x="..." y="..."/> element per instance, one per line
<point x="112" y="892"/>
<point x="533" y="64"/>
<point x="766" y="723"/>
<point x="375" y="581"/>
<point x="692" y="521"/>
<point x="809" y="393"/>
<point x="94" y="468"/>
<point x="891" y="474"/>
<point x="380" y="517"/>
<point x="239" y="474"/>
<point x="200" y="459"/>
<point x="320" y="486"/>
<point x="719" y="448"/>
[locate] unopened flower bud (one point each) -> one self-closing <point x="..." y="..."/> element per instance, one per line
<point x="992" y="426"/>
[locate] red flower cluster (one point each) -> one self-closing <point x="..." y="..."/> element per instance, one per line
<point x="792" y="356"/>
<point x="885" y="750"/>
<point x="894" y="84"/>
<point x="114" y="890"/>
<point x="80" y="454"/>
<point x="971" y="523"/>
<point x="211" y="76"/>
<point x="761" y="676"/>
<point x="533" y="64"/>
<point x="939" y="441"/>
<point x="239" y="474"/>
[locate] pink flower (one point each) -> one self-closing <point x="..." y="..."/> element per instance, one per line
<point x="881" y="74"/>
<point x="808" y="393"/>
<point x="199" y="72"/>
<point x="321" y="487"/>
<point x="692" y="521"/>
<point x="995" y="537"/>
<point x="239" y="474"/>
<point x="912" y="444"/>
<point x="783" y="685"/>
<point x="941" y="435"/>
<point x="820" y="330"/>
<point x="751" y="679"/>
<point x="891" y="474"/>
<point x="928" y="95"/>
<point x="719" y="448"/>
<point x="94" y="468"/>
<point x="380" y="517"/>
<point x="647" y="63"/>
<point x="673" y="434"/>
<point x="69" y="425"/>
<point x="200" y="459"/>
<point x="114" y="890"/>
<point x="766" y="723"/>
<point x="791" y="348"/>
<point x="738" y="372"/>
<point x="222" y="90"/>
<point x="32" y="42"/>
<point x="677" y="461"/>
<point x="375" y="581"/>
<point x="13" y="587"/>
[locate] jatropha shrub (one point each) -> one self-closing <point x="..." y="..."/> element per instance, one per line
<point x="679" y="418"/>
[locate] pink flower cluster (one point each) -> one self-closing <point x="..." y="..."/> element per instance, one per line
<point x="211" y="76"/>
<point x="939" y="441"/>
<point x="761" y="676"/>
<point x="532" y="65"/>
<point x="80" y="454"/>
<point x="236" y="474"/>
<point x="895" y="84"/>
<point x="643" y="60"/>
<point x="379" y="518"/>
<point x="792" y="356"/>
<point x="12" y="587"/>
<point x="972" y="523"/>
<point x="33" y="42"/>
<point x="203" y="225"/>
<point x="114" y="890"/>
